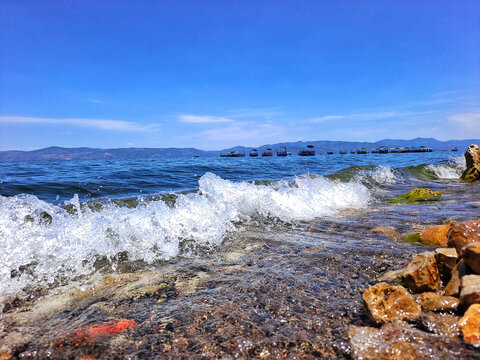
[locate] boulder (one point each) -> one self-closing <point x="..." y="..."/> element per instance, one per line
<point x="388" y="231"/>
<point x="472" y="158"/>
<point x="470" y="324"/>
<point x="386" y="303"/>
<point x="435" y="302"/>
<point x="435" y="236"/>
<point x="453" y="286"/>
<point x="463" y="233"/>
<point x="471" y="255"/>
<point x="422" y="273"/>
<point x="424" y="194"/>
<point x="446" y="259"/>
<point x="470" y="293"/>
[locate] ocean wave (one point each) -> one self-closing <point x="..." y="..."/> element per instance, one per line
<point x="42" y="243"/>
<point x="452" y="170"/>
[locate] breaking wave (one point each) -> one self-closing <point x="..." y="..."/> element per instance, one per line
<point x="43" y="243"/>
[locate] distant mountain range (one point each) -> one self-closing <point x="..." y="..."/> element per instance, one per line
<point x="84" y="153"/>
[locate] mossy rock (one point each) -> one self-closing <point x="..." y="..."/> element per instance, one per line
<point x="413" y="238"/>
<point x="417" y="195"/>
<point x="471" y="174"/>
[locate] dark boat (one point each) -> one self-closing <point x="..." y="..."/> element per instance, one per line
<point x="330" y="152"/>
<point x="282" y="151"/>
<point x="233" y="154"/>
<point x="362" y="151"/>
<point x="308" y="150"/>
<point x="374" y="151"/>
<point x="383" y="150"/>
<point x="343" y="152"/>
<point x="455" y="149"/>
<point x="267" y="152"/>
<point x="253" y="153"/>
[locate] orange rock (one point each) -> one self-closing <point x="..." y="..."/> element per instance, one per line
<point x="470" y="293"/>
<point x="470" y="324"/>
<point x="471" y="255"/>
<point x="111" y="328"/>
<point x="435" y="302"/>
<point x="446" y="259"/>
<point x="453" y="286"/>
<point x="435" y="236"/>
<point x="385" y="303"/>
<point x="422" y="273"/>
<point x="463" y="233"/>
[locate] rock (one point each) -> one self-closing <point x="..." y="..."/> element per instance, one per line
<point x="422" y="273"/>
<point x="395" y="342"/>
<point x="463" y="233"/>
<point x="442" y="324"/>
<point x="435" y="236"/>
<point x="453" y="286"/>
<point x="470" y="324"/>
<point x="424" y="194"/>
<point x="446" y="259"/>
<point x="411" y="238"/>
<point x="472" y="158"/>
<point x="392" y="276"/>
<point x="435" y="302"/>
<point x="385" y="303"/>
<point x="388" y="231"/>
<point x="471" y="255"/>
<point x="470" y="293"/>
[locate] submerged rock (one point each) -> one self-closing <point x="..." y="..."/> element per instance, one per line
<point x="470" y="293"/>
<point x="472" y="158"/>
<point x="442" y="324"/>
<point x="470" y="324"/>
<point x="422" y="194"/>
<point x="435" y="302"/>
<point x="412" y="238"/>
<point x="435" y="236"/>
<point x="388" y="231"/>
<point x="386" y="303"/>
<point x="396" y="342"/>
<point x="471" y="255"/>
<point x="422" y="273"/>
<point x="446" y="259"/>
<point x="463" y="233"/>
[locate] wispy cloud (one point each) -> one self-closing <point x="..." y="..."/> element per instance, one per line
<point x="203" y="119"/>
<point x="469" y="121"/>
<point x="96" y="101"/>
<point x="266" y="113"/>
<point x="101" y="124"/>
<point x="321" y="119"/>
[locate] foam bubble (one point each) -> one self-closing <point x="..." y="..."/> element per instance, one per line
<point x="41" y="242"/>
<point x="452" y="170"/>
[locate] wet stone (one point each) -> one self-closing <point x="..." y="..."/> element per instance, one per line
<point x="446" y="259"/>
<point x="441" y="324"/>
<point x="435" y="236"/>
<point x="471" y="255"/>
<point x="463" y="233"/>
<point x="435" y="302"/>
<point x="388" y="231"/>
<point x="422" y="273"/>
<point x="470" y="324"/>
<point x="453" y="286"/>
<point x="470" y="293"/>
<point x="386" y="303"/>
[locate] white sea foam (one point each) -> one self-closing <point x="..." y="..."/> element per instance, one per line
<point x="380" y="175"/>
<point x="69" y="245"/>
<point x="453" y="170"/>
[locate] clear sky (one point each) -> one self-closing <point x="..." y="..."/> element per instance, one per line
<point x="214" y="74"/>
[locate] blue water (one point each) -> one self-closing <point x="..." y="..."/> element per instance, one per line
<point x="58" y="181"/>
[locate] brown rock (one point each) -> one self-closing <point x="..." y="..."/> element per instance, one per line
<point x="453" y="286"/>
<point x="422" y="273"/>
<point x="446" y="259"/>
<point x="385" y="303"/>
<point x="433" y="301"/>
<point x="471" y="255"/>
<point x="470" y="293"/>
<point x="435" y="236"/>
<point x="463" y="233"/>
<point x="470" y="324"/>
<point x="392" y="276"/>
<point x="388" y="231"/>
<point x="472" y="158"/>
<point x="442" y="324"/>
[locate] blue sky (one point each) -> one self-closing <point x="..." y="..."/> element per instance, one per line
<point x="215" y="74"/>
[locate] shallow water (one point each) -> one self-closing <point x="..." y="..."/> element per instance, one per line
<point x="234" y="270"/>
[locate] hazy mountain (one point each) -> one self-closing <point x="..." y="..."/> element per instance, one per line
<point x="84" y="153"/>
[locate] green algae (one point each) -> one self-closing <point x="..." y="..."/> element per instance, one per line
<point x="413" y="238"/>
<point x="471" y="174"/>
<point x="421" y="194"/>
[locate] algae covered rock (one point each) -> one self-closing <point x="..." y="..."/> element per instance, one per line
<point x="422" y="194"/>
<point x="413" y="238"/>
<point x="472" y="158"/>
<point x="386" y="303"/>
<point x="435" y="236"/>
